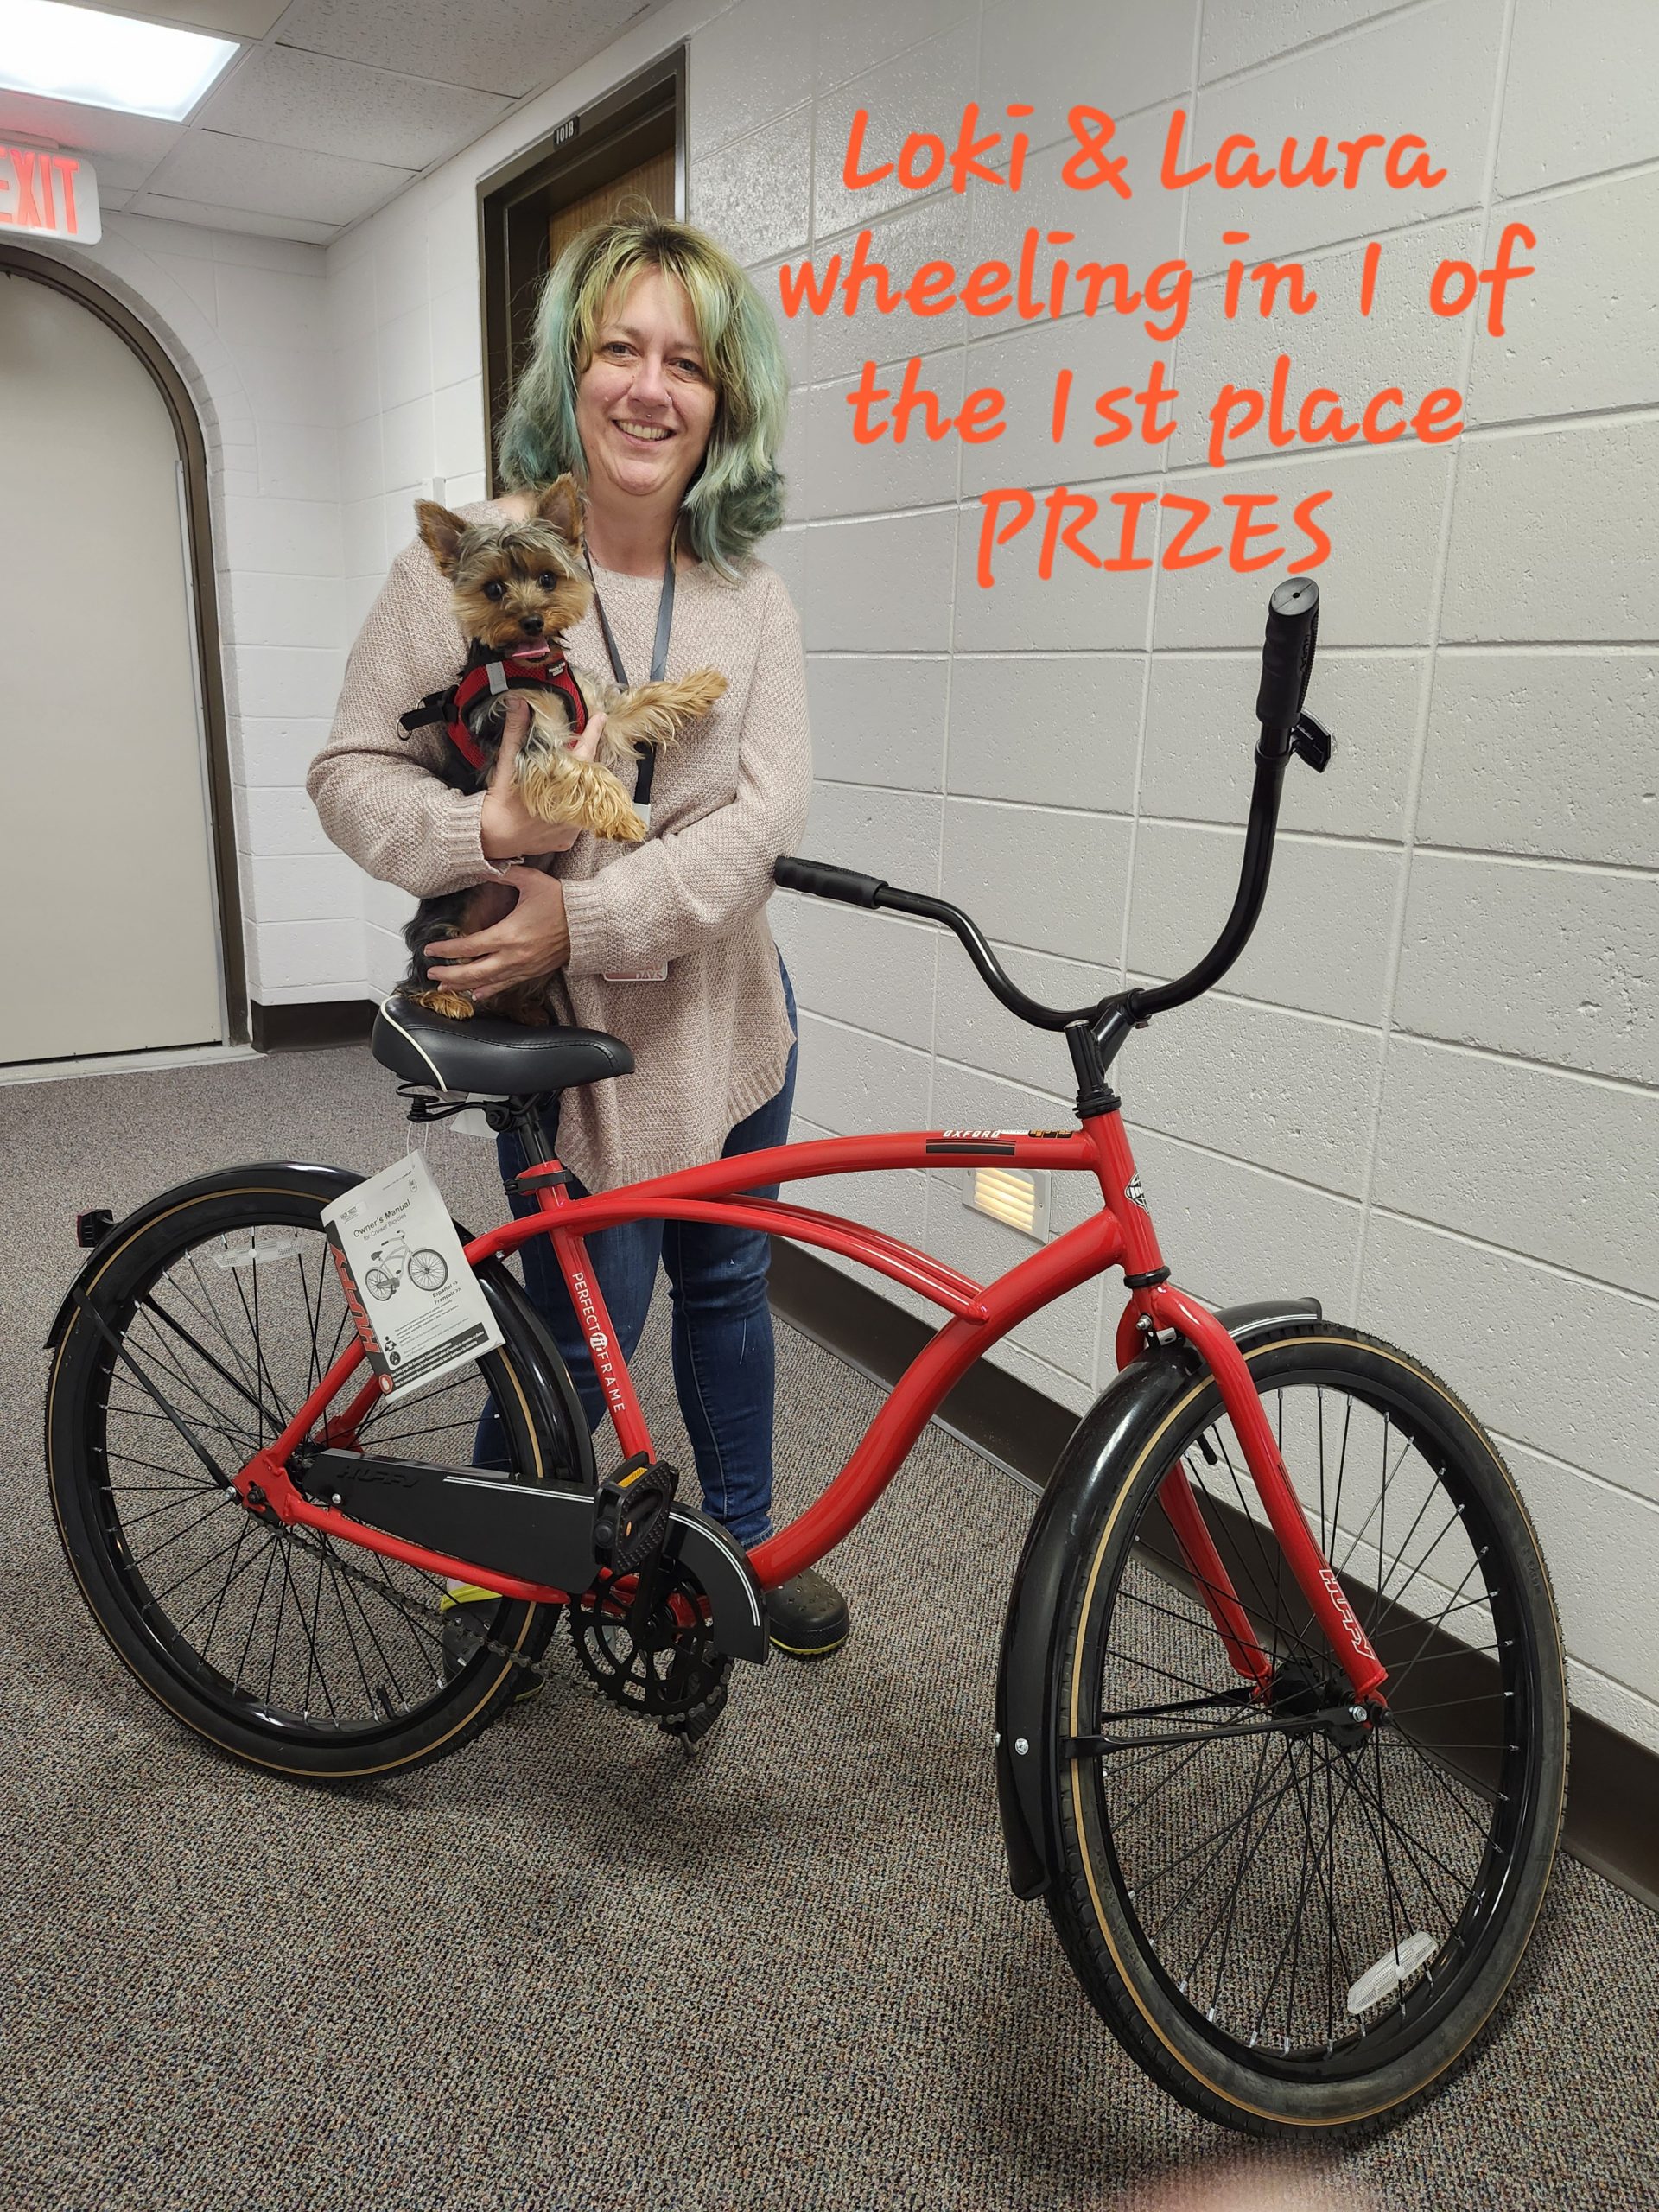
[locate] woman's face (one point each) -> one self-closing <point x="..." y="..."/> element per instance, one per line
<point x="645" y="403"/>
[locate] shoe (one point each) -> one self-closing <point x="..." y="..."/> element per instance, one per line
<point x="807" y="1616"/>
<point x="459" y="1645"/>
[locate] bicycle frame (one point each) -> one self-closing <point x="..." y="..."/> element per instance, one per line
<point x="1121" y="1234"/>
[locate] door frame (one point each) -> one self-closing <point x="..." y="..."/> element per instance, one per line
<point x="210" y="675"/>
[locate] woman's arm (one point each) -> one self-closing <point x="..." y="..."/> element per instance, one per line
<point x="699" y="881"/>
<point x="373" y="788"/>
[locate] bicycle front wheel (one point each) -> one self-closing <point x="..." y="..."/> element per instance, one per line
<point x="287" y="1648"/>
<point x="1291" y="1917"/>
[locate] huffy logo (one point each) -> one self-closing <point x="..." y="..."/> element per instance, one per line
<point x="1133" y="1192"/>
<point x="1356" y="1635"/>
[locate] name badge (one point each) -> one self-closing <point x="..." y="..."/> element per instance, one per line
<point x="641" y="976"/>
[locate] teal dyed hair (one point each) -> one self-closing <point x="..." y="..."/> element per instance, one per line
<point x="737" y="496"/>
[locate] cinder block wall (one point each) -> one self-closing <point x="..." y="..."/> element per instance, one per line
<point x="1428" y="1092"/>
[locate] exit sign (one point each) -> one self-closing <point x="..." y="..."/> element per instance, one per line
<point x="49" y="195"/>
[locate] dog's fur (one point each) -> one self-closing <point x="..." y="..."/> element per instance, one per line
<point x="515" y="584"/>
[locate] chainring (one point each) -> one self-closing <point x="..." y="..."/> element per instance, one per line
<point x="669" y="1671"/>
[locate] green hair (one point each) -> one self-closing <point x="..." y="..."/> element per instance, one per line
<point x="737" y="495"/>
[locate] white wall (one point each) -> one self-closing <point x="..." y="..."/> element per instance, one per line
<point x="1430" y="1093"/>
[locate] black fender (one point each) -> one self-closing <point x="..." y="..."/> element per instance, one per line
<point x="1090" y="1467"/>
<point x="554" y="1406"/>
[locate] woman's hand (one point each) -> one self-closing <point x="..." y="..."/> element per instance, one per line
<point x="528" y="944"/>
<point x="506" y="830"/>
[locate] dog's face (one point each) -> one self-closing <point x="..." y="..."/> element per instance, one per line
<point x="517" y="583"/>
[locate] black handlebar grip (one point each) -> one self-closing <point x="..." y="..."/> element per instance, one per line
<point x="1288" y="653"/>
<point x="824" y="880"/>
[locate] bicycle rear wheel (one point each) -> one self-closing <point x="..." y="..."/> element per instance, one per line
<point x="284" y="1646"/>
<point x="1291" y="1918"/>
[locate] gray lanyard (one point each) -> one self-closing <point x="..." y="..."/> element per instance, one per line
<point x="658" y="664"/>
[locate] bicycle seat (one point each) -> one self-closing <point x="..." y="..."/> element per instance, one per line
<point x="491" y="1059"/>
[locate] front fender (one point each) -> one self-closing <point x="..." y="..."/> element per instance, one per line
<point x="1091" y="1464"/>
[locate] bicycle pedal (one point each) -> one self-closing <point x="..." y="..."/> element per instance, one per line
<point x="630" y="1514"/>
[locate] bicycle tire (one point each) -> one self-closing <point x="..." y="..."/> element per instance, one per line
<point x="1204" y="1983"/>
<point x="378" y="1284"/>
<point x="337" y="1726"/>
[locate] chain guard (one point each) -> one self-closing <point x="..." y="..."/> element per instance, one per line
<point x="663" y="1666"/>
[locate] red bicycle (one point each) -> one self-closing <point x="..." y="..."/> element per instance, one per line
<point x="1281" y="1722"/>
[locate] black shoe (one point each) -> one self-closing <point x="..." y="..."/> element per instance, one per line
<point x="807" y="1616"/>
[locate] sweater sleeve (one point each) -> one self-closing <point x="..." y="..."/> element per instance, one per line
<point x="662" y="897"/>
<point x="372" y="787"/>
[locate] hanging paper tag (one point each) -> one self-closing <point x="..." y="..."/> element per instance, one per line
<point x="418" y="1307"/>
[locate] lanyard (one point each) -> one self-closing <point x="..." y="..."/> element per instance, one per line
<point x="647" y="768"/>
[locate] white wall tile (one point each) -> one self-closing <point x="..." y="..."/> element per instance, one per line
<point x="755" y="193"/>
<point x="845" y="478"/>
<point x="1545" y="754"/>
<point x="298" y="461"/>
<point x="870" y="970"/>
<point x="746" y="67"/>
<point x="287" y="536"/>
<point x="1231" y="1232"/>
<point x="1239" y="34"/>
<point x="289" y="679"/>
<point x="1050" y="729"/>
<point x="1578" y="96"/>
<point x="1287" y="1092"/>
<point x="893" y="835"/>
<point x="276" y="750"/>
<point x="407" y="447"/>
<point x="973" y="1029"/>
<point x="880" y="587"/>
<point x="292" y="888"/>
<point x="458" y="428"/>
<point x="1075" y="608"/>
<point x="1378" y="584"/>
<point x="878" y="718"/>
<point x="1141" y="54"/>
<point x="266" y="610"/>
<point x="282" y="821"/>
<point x="1528" y="507"/>
<point x="403" y="351"/>
<point x="1578" y="332"/>
<point x="925" y="89"/>
<point x="1373" y="81"/>
<point x="1552" y="964"/>
<point x="869" y="32"/>
<point x="1038" y="876"/>
<point x="1549" y="1360"/>
<point x="934" y="229"/>
<point x="1201" y="739"/>
<point x="1551" y="1165"/>
<point x="848" y="1081"/>
<point x="1324" y="940"/>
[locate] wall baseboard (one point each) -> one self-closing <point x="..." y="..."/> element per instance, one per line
<point x="1612" y="1811"/>
<point x="312" y="1027"/>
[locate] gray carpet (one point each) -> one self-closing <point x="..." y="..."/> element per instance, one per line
<point x="568" y="1967"/>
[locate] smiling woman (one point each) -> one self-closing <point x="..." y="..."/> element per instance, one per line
<point x="656" y="381"/>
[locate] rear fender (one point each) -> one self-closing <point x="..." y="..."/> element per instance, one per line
<point x="554" y="1407"/>
<point x="1088" y="1471"/>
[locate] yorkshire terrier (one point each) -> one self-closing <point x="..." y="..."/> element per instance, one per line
<point x="518" y="587"/>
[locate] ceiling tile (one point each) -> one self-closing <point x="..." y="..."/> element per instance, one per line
<point x="290" y="98"/>
<point x="245" y="173"/>
<point x="510" y="47"/>
<point x="227" y="18"/>
<point x="230" y="219"/>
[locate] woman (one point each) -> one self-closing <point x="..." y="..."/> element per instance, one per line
<point x="657" y="381"/>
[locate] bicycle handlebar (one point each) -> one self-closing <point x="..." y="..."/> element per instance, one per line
<point x="1287" y="665"/>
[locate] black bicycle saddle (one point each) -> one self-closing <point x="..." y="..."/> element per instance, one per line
<point x="492" y="1059"/>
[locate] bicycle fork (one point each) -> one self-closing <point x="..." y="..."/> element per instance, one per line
<point x="1155" y="1306"/>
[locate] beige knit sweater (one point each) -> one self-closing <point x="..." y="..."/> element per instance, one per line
<point x="711" y="1043"/>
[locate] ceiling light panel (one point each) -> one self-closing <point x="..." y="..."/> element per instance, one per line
<point x="102" y="61"/>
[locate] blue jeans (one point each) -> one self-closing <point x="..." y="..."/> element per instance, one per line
<point x="721" y="1323"/>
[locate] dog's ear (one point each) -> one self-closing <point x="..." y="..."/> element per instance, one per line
<point x="441" y="533"/>
<point x="560" y="507"/>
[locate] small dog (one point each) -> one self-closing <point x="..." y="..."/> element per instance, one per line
<point x="518" y="587"/>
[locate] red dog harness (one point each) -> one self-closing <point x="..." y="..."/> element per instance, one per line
<point x="530" y="668"/>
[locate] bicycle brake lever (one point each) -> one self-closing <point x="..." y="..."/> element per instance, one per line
<point x="1313" y="742"/>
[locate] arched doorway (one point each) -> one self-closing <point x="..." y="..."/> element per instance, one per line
<point x="114" y="818"/>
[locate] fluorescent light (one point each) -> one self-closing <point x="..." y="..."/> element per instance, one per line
<point x="102" y="61"/>
<point x="1010" y="1195"/>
